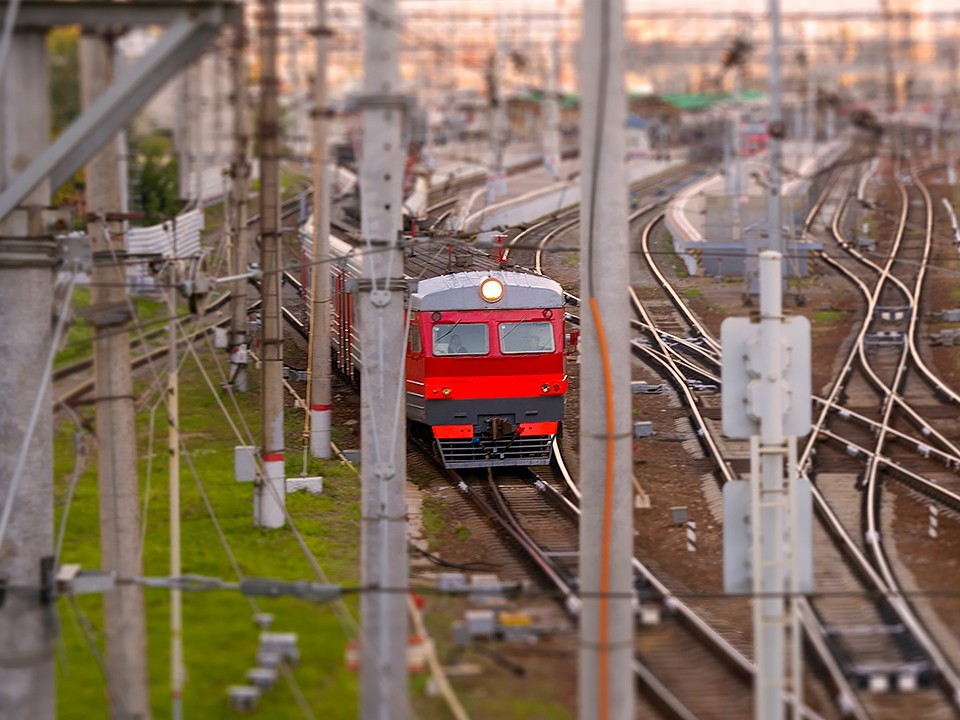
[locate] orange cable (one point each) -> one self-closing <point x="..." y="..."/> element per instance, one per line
<point x="604" y="659"/>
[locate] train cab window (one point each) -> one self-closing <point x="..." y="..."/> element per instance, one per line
<point x="461" y="339"/>
<point x="413" y="342"/>
<point x="526" y="337"/>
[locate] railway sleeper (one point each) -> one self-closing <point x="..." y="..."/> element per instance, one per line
<point x="892" y="677"/>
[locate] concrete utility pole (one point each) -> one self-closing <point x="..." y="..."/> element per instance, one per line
<point x="496" y="177"/>
<point x="217" y="94"/>
<point x="891" y="73"/>
<point x="777" y="131"/>
<point x="952" y="128"/>
<point x="321" y="413"/>
<point x="768" y="613"/>
<point x="196" y="120"/>
<point x="383" y="671"/>
<point x="183" y="133"/>
<point x="269" y="497"/>
<point x="551" y="113"/>
<point x="770" y="506"/>
<point x="606" y="527"/>
<point x="736" y="188"/>
<point x="124" y="612"/>
<point x="240" y="174"/>
<point x="173" y="451"/>
<point x="26" y="278"/>
<point x="811" y="120"/>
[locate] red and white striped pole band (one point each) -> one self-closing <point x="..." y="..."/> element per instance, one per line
<point x="321" y="408"/>
<point x="273" y="457"/>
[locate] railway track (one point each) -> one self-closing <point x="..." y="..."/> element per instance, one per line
<point x="690" y="354"/>
<point x="852" y="651"/>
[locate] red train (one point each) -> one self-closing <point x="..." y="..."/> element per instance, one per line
<point x="485" y="366"/>
<point x="485" y="375"/>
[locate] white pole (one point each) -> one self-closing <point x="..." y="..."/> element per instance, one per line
<point x="774" y="209"/>
<point x="173" y="450"/>
<point x="811" y="121"/>
<point x="383" y="667"/>
<point x="551" y="113"/>
<point x="27" y="681"/>
<point x="270" y="495"/>
<point x="606" y="529"/>
<point x="498" y="122"/>
<point x="321" y="412"/>
<point x="240" y="172"/>
<point x="952" y="128"/>
<point x="124" y="610"/>
<point x="768" y="512"/>
<point x="933" y="521"/>
<point x="735" y="149"/>
<point x="796" y="620"/>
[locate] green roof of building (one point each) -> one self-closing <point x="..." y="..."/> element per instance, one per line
<point x="702" y="101"/>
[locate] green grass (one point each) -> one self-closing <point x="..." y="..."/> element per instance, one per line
<point x="292" y="182"/>
<point x="827" y="317"/>
<point x="220" y="640"/>
<point x="434" y="522"/>
<point x="79" y="344"/>
<point x="691" y="293"/>
<point x="571" y="259"/>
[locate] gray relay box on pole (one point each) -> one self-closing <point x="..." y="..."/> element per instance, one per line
<point x="738" y="536"/>
<point x="748" y="370"/>
<point x="741" y="369"/>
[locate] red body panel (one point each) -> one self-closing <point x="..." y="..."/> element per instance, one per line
<point x="466" y="431"/>
<point x="491" y="375"/>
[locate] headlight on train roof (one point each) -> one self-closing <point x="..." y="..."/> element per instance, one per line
<point x="491" y="289"/>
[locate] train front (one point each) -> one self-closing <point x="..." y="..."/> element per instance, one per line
<point x="485" y="367"/>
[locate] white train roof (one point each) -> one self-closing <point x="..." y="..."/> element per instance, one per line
<point x="461" y="291"/>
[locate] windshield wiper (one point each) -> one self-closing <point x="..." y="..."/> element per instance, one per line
<point x="452" y="328"/>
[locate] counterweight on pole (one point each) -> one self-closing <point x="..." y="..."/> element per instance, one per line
<point x="270" y="493"/>
<point x="383" y="672"/>
<point x="606" y="527"/>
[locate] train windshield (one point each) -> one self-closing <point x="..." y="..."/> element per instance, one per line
<point x="461" y="339"/>
<point x="526" y="337"/>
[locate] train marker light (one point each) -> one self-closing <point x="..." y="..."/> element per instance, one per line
<point x="545" y="387"/>
<point x="491" y="289"/>
<point x="446" y="392"/>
